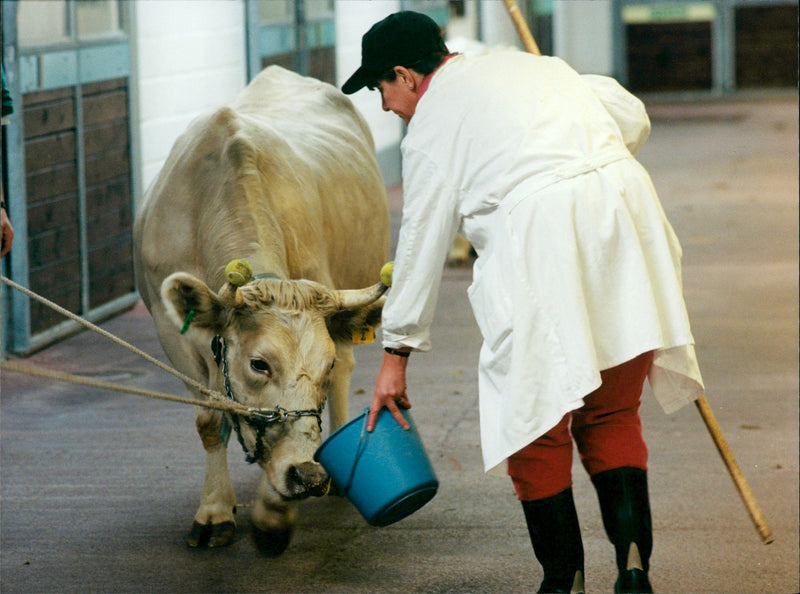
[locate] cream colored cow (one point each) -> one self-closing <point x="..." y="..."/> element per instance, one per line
<point x="284" y="177"/>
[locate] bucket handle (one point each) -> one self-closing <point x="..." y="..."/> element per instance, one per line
<point x="362" y="446"/>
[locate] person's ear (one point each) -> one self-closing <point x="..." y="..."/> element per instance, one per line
<point x="406" y="77"/>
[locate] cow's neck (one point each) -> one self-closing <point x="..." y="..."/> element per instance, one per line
<point x="267" y="266"/>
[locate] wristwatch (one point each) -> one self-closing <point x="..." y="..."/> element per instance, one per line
<point x="396" y="352"/>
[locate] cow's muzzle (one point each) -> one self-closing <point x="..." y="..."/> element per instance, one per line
<point x="307" y="479"/>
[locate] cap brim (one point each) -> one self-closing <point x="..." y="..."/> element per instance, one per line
<point x="359" y="80"/>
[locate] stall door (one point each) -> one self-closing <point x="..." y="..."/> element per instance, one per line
<point x="69" y="160"/>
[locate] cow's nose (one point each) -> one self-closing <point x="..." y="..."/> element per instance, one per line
<point x="307" y="479"/>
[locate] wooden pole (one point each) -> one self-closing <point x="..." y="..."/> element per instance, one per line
<point x="522" y="28"/>
<point x="702" y="404"/>
<point x="733" y="468"/>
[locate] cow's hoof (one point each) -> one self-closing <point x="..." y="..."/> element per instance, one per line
<point x="272" y="544"/>
<point x="211" y="535"/>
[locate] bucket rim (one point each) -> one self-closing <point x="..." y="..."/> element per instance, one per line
<point x="358" y="418"/>
<point x="429" y="489"/>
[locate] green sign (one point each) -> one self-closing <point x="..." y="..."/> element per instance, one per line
<point x="638" y="14"/>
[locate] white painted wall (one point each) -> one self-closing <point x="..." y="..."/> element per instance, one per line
<point x="465" y="27"/>
<point x="189" y="57"/>
<point x="582" y="31"/>
<point x="497" y="29"/>
<point x="353" y="19"/>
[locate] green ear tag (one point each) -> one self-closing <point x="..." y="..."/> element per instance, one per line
<point x="187" y="320"/>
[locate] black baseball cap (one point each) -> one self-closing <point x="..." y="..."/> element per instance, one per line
<point x="401" y="39"/>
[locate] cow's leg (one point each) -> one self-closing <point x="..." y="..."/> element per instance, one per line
<point x="214" y="525"/>
<point x="273" y="519"/>
<point x="338" y="395"/>
<point x="460" y="252"/>
<point x="340" y="386"/>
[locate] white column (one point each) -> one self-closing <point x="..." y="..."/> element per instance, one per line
<point x="496" y="26"/>
<point x="353" y="19"/>
<point x="189" y="59"/>
<point x="582" y="34"/>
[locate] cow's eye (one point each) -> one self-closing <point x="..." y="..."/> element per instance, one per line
<point x="260" y="366"/>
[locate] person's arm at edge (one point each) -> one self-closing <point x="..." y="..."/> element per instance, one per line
<point x="390" y="389"/>
<point x="431" y="223"/>
<point x="6" y="230"/>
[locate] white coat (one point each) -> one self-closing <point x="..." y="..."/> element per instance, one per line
<point x="578" y="269"/>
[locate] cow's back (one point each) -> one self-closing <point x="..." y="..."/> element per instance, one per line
<point x="284" y="175"/>
<point x="332" y="144"/>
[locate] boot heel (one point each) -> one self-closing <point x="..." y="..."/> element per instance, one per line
<point x="633" y="581"/>
<point x="577" y="584"/>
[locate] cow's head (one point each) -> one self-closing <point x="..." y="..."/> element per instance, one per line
<point x="279" y="339"/>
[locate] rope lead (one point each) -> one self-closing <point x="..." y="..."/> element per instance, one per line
<point x="64" y="312"/>
<point x="15" y="367"/>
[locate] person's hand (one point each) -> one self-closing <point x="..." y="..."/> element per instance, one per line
<point x="6" y="232"/>
<point x="390" y="391"/>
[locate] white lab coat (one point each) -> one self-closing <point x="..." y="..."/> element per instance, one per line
<point x="578" y="269"/>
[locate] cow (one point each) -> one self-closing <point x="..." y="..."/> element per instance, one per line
<point x="283" y="177"/>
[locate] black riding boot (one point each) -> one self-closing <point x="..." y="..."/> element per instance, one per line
<point x="556" y="539"/>
<point x="625" y="506"/>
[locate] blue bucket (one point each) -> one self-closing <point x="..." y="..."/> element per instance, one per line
<point x="386" y="474"/>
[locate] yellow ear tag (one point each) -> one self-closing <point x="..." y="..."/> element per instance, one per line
<point x="365" y="336"/>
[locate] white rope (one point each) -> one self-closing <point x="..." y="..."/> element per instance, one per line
<point x="183" y="377"/>
<point x="16" y="367"/>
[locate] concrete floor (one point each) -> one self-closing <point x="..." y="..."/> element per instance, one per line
<point x="99" y="489"/>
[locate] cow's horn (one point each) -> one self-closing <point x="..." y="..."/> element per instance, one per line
<point x="352" y="299"/>
<point x="231" y="295"/>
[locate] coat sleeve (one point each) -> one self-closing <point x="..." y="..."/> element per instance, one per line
<point x="627" y="110"/>
<point x="429" y="225"/>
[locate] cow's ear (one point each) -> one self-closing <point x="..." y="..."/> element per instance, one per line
<point x="183" y="294"/>
<point x="347" y="325"/>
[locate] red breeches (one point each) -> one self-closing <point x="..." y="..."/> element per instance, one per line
<point x="606" y="429"/>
